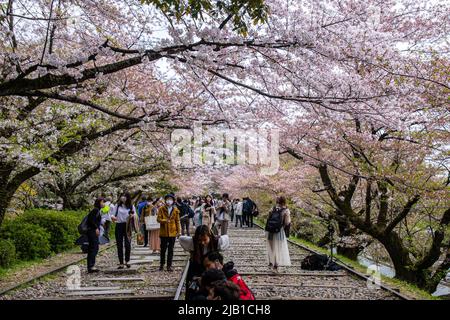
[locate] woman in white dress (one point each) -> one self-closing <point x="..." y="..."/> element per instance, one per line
<point x="277" y="247"/>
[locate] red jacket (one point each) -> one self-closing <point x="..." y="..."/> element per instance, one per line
<point x="246" y="293"/>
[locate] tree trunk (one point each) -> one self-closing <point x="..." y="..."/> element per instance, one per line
<point x="404" y="267"/>
<point x="4" y="202"/>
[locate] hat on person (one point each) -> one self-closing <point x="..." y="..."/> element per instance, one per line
<point x="170" y="195"/>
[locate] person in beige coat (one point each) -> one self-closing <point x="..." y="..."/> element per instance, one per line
<point x="170" y="229"/>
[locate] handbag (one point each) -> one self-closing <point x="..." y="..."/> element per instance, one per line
<point x="140" y="239"/>
<point x="151" y="223"/>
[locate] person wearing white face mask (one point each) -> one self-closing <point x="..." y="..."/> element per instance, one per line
<point x="170" y="229"/>
<point x="120" y="215"/>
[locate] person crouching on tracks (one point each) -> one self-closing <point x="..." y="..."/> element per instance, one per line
<point x="214" y="260"/>
<point x="223" y="290"/>
<point x="170" y="229"/>
<point x="121" y="215"/>
<point x="277" y="248"/>
<point x="93" y="232"/>
<point x="202" y="243"/>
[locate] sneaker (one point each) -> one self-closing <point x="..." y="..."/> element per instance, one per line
<point x="128" y="265"/>
<point x="170" y="269"/>
<point x="120" y="266"/>
<point x="161" y="268"/>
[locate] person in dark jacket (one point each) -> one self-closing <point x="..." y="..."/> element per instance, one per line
<point x="248" y="207"/>
<point x="93" y="232"/>
<point x="184" y="216"/>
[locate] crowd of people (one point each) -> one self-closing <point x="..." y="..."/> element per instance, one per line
<point x="161" y="221"/>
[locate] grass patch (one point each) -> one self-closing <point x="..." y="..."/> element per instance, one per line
<point x="405" y="288"/>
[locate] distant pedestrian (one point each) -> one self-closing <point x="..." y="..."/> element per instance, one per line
<point x="248" y="207"/>
<point x="184" y="216"/>
<point x="223" y="215"/>
<point x="277" y="247"/>
<point x="209" y="213"/>
<point x="238" y="212"/>
<point x="154" y="226"/>
<point x="140" y="210"/>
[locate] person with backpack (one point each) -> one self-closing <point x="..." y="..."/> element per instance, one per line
<point x="170" y="229"/>
<point x="120" y="215"/>
<point x="277" y="247"/>
<point x="214" y="260"/>
<point x="93" y="223"/>
<point x="248" y="207"/>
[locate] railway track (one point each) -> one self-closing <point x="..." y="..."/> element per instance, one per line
<point x="248" y="251"/>
<point x="142" y="281"/>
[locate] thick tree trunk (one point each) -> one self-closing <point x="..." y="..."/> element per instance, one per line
<point x="404" y="267"/>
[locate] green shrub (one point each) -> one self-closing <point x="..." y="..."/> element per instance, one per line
<point x="61" y="225"/>
<point x="31" y="241"/>
<point x="7" y="253"/>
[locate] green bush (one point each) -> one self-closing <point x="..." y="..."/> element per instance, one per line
<point x="31" y="241"/>
<point x="7" y="253"/>
<point x="61" y="225"/>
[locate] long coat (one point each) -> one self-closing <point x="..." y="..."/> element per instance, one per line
<point x="169" y="226"/>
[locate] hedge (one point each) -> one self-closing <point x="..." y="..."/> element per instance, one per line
<point x="31" y="241"/>
<point x="60" y="225"/>
<point x="7" y="253"/>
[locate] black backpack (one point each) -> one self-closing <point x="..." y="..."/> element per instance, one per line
<point x="191" y="212"/>
<point x="275" y="221"/>
<point x="319" y="262"/>
<point x="83" y="226"/>
<point x="247" y="206"/>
